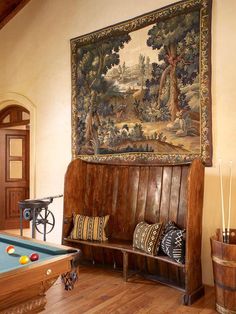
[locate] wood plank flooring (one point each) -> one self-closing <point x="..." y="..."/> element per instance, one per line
<point x="101" y="291"/>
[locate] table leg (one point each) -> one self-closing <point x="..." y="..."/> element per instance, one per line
<point x="33" y="223"/>
<point x="125" y="265"/>
<point x="21" y="222"/>
<point x="45" y="223"/>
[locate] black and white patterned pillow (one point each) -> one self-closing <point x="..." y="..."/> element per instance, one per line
<point x="170" y="225"/>
<point x="173" y="242"/>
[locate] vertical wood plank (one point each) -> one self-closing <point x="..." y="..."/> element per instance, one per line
<point x="115" y="185"/>
<point x="165" y="196"/>
<point x="152" y="211"/>
<point x="120" y="219"/>
<point x="132" y="193"/>
<point x="173" y="271"/>
<point x="181" y="219"/>
<point x="141" y="207"/>
<point x="175" y="194"/>
<point x="163" y="268"/>
<point x="229" y="280"/>
<point x="88" y="196"/>
<point x="142" y="194"/>
<point x="98" y="186"/>
<point x="94" y="187"/>
<point x="110" y="190"/>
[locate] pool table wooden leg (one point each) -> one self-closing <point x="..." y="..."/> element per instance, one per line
<point x="31" y="300"/>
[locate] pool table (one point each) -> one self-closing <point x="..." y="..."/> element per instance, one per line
<point x="23" y="287"/>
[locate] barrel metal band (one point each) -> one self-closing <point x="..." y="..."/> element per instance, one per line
<point x="224" y="287"/>
<point x="223" y="310"/>
<point x="223" y="263"/>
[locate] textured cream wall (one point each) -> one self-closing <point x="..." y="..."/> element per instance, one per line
<point x="35" y="63"/>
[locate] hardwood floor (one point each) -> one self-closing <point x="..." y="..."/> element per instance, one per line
<point x="103" y="292"/>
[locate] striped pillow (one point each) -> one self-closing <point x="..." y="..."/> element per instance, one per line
<point x="147" y="237"/>
<point x="89" y="228"/>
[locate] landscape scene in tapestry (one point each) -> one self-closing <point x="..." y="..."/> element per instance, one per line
<point x="139" y="92"/>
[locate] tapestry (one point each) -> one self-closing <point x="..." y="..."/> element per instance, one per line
<point x="141" y="89"/>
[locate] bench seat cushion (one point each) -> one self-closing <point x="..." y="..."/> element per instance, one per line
<point x="147" y="237"/>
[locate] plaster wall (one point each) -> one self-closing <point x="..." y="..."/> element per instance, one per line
<point x="35" y="63"/>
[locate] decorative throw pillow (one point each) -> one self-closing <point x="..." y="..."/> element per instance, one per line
<point x="173" y="242"/>
<point x="147" y="237"/>
<point x="89" y="228"/>
<point x="170" y="225"/>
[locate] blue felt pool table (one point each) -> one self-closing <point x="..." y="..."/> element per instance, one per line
<point x="23" y="287"/>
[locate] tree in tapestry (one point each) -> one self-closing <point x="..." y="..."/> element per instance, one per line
<point x="139" y="92"/>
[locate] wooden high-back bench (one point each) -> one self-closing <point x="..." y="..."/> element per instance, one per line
<point x="133" y="193"/>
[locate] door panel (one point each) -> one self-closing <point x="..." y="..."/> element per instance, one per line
<point x="14" y="175"/>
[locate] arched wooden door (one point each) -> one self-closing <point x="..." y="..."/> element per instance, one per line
<point x="14" y="164"/>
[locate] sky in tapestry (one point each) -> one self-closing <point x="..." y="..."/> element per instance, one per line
<point x="139" y="92"/>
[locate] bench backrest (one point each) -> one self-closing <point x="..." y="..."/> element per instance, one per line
<point x="130" y="194"/>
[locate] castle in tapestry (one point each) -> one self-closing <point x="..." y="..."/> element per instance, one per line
<point x="139" y="91"/>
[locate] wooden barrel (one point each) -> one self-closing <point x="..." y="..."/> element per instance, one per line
<point x="224" y="270"/>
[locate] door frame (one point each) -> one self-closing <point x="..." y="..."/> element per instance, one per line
<point x="8" y="99"/>
<point x="11" y="187"/>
